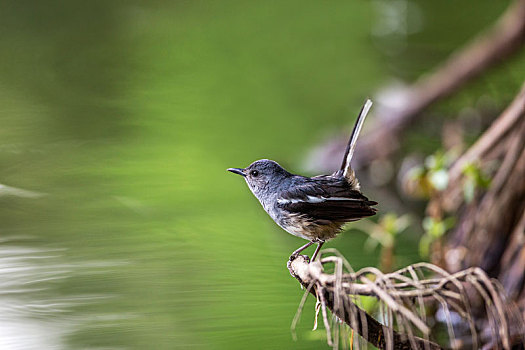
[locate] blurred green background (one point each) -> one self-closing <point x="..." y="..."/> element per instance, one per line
<point x="120" y="118"/>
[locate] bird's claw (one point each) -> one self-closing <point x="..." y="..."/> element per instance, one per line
<point x="295" y="255"/>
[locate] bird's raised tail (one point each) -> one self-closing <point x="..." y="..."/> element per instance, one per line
<point x="345" y="166"/>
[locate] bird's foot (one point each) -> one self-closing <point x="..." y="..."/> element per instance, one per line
<point x="295" y="255"/>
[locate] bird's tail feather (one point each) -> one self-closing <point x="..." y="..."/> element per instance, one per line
<point x="345" y="166"/>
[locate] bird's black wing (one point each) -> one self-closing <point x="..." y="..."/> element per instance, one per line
<point x="326" y="198"/>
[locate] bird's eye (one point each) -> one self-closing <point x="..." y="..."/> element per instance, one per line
<point x="254" y="173"/>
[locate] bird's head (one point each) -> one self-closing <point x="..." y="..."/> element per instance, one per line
<point x="262" y="175"/>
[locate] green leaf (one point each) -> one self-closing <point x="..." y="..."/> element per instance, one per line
<point x="469" y="190"/>
<point x="424" y="246"/>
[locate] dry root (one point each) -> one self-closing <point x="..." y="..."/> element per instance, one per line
<point x="412" y="303"/>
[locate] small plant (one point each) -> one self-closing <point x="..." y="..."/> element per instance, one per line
<point x="474" y="178"/>
<point x="431" y="176"/>
<point x="435" y="229"/>
<point x="385" y="233"/>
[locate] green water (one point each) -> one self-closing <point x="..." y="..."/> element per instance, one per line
<point x="121" y="118"/>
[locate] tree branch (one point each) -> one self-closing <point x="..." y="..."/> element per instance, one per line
<point x="360" y="321"/>
<point x="404" y="298"/>
<point x="505" y="38"/>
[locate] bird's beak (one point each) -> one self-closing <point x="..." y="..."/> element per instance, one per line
<point x="237" y="171"/>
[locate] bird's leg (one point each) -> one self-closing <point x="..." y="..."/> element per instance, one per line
<point x="319" y="245"/>
<point x="296" y="252"/>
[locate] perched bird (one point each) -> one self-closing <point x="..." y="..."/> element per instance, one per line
<point x="313" y="208"/>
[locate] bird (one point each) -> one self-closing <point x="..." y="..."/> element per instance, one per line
<point x="313" y="208"/>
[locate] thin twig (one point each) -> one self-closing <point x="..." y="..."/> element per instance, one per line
<point x="403" y="297"/>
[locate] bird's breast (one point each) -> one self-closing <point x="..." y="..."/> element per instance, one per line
<point x="305" y="227"/>
<point x="301" y="225"/>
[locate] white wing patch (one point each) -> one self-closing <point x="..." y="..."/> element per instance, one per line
<point x="314" y="199"/>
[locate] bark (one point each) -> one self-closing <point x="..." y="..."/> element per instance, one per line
<point x="490" y="230"/>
